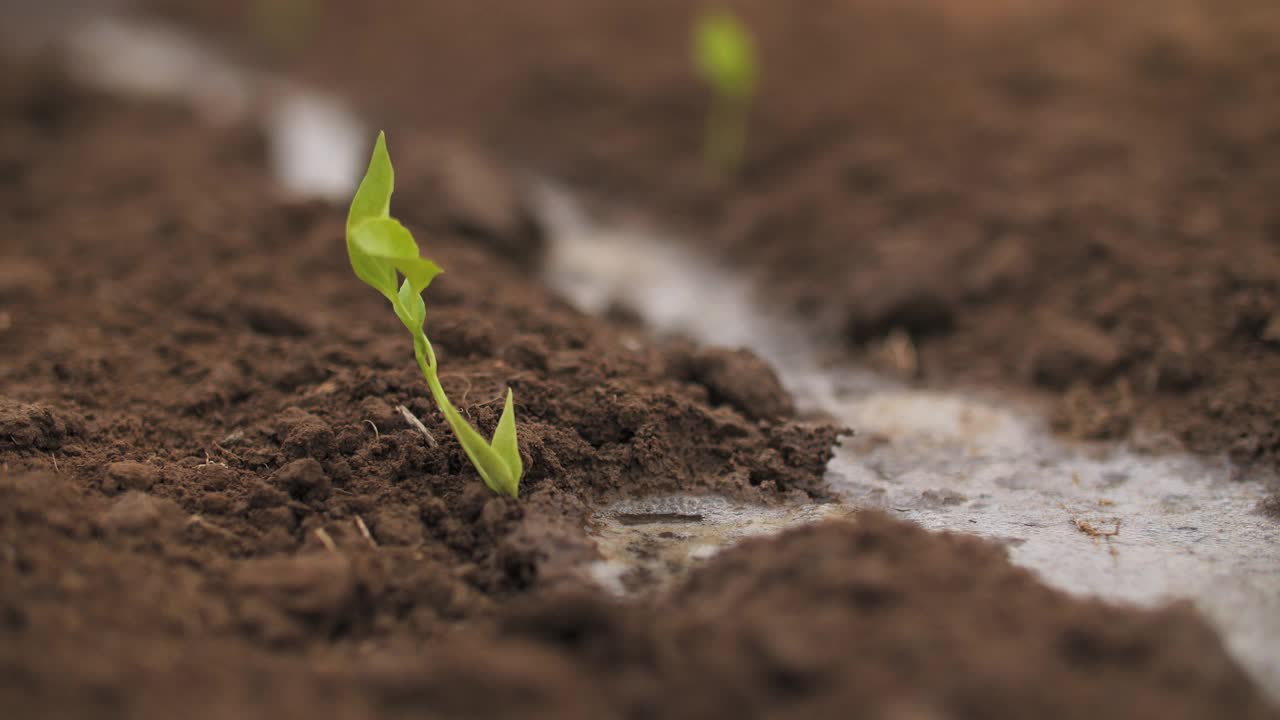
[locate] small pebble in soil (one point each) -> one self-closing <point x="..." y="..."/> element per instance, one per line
<point x="132" y="476"/>
<point x="740" y="379"/>
<point x="396" y="525"/>
<point x="936" y="499"/>
<point x="262" y="495"/>
<point x="285" y="599"/>
<point x="303" y="479"/>
<point x="36" y="425"/>
<point x="23" y="277"/>
<point x="913" y="307"/>
<point x="214" y="477"/>
<point x="302" y="434"/>
<point x="137" y="511"/>
<point x="380" y="413"/>
<point x="1068" y="349"/>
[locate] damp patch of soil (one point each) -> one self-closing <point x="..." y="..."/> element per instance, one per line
<point x="210" y="506"/>
<point x="1074" y="199"/>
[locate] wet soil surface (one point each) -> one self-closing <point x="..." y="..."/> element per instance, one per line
<point x="209" y="506"/>
<point x="1072" y="198"/>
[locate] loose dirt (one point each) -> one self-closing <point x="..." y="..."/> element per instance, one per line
<point x="1072" y="198"/>
<point x="210" y="507"/>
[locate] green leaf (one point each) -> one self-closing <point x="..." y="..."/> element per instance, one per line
<point x="373" y="197"/>
<point x="725" y="54"/>
<point x="419" y="272"/>
<point x="387" y="239"/>
<point x="384" y="238"/>
<point x="373" y="200"/>
<point x="504" y="440"/>
<point x="378" y="273"/>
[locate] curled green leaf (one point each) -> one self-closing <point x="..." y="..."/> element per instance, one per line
<point x="389" y="241"/>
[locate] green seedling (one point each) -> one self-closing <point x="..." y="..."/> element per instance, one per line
<point x="382" y="251"/>
<point x="724" y="55"/>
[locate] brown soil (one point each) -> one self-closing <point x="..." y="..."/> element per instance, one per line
<point x="1075" y="198"/>
<point x="197" y="428"/>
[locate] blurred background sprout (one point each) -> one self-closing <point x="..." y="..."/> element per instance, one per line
<point x="725" y="57"/>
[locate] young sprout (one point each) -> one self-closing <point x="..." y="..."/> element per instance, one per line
<point x="725" y="57"/>
<point x="382" y="250"/>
